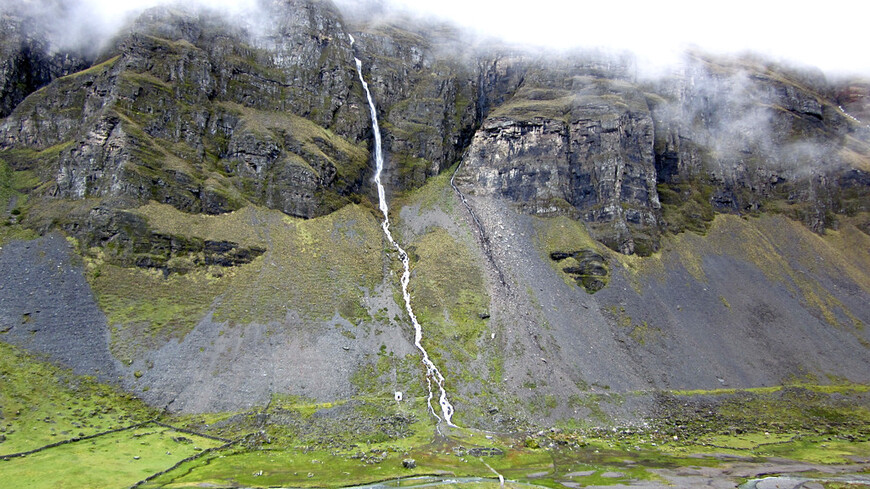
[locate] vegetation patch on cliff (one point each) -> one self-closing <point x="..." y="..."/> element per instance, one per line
<point x="449" y="295"/>
<point x="569" y="248"/>
<point x="335" y="258"/>
<point x="530" y="103"/>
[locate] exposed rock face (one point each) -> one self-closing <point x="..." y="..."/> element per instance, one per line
<point x="189" y="110"/>
<point x="588" y="268"/>
<point x="27" y="62"/>
<point x="185" y="89"/>
<point x="613" y="169"/>
<point x="425" y="87"/>
<point x="761" y="136"/>
<point x="581" y="145"/>
<point x="733" y="136"/>
<point x="528" y="161"/>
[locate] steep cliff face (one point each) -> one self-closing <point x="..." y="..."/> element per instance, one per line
<point x="854" y="97"/>
<point x="579" y="144"/>
<point x="27" y="61"/>
<point x="721" y="136"/>
<point x="576" y="138"/>
<point x="764" y="137"/>
<point x="188" y="110"/>
<point x="425" y="89"/>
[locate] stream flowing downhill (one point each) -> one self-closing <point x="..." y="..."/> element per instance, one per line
<point x="432" y="372"/>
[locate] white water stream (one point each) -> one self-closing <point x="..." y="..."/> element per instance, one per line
<point x="432" y="372"/>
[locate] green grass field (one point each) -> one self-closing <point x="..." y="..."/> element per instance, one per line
<point x="110" y="461"/>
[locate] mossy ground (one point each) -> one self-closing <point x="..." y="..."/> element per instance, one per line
<point x="39" y="401"/>
<point x="42" y="404"/>
<point x="686" y="206"/>
<point x="562" y="234"/>
<point x="13" y="198"/>
<point x="450" y="303"/>
<point x="110" y="461"/>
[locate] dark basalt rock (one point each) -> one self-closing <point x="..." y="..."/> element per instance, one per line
<point x="183" y="89"/>
<point x="27" y="60"/>
<point x="188" y="109"/>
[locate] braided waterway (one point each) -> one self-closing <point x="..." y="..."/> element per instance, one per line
<point x="432" y="372"/>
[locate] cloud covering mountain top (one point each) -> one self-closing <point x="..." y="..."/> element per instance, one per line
<point x="829" y="36"/>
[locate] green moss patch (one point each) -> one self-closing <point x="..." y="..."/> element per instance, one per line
<point x="569" y="248"/>
<point x="145" y="308"/>
<point x="42" y="404"/>
<point x="333" y="259"/>
<point x="450" y="300"/>
<point x="357" y="459"/>
<point x="686" y="206"/>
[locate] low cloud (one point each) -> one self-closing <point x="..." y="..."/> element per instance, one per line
<point x="86" y="25"/>
<point x="830" y="36"/>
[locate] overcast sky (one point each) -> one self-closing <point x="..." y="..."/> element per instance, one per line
<point x="831" y="35"/>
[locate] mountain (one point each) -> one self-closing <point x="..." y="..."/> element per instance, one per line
<point x="581" y="237"/>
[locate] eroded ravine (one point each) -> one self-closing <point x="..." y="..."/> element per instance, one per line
<point x="432" y="372"/>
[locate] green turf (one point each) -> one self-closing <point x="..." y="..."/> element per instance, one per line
<point x="111" y="461"/>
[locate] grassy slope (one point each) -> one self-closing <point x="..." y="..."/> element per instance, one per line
<point x="784" y="250"/>
<point x="448" y="289"/>
<point x="549" y="456"/>
<point x="42" y="404"/>
<point x="292" y="455"/>
<point x="318" y="258"/>
<point x="111" y="461"/>
<point x="12" y="184"/>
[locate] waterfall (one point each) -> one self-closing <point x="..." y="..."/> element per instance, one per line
<point x="432" y="372"/>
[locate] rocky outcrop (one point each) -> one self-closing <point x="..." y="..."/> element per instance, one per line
<point x="425" y="89"/>
<point x="762" y="136"/>
<point x="580" y="145"/>
<point x="740" y="136"/>
<point x="189" y="110"/>
<point x="588" y="268"/>
<point x="27" y="61"/>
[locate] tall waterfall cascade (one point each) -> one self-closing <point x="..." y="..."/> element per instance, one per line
<point x="432" y="372"/>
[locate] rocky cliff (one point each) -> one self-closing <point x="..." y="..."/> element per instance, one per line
<point x="735" y="136"/>
<point x="185" y="109"/>
<point x="213" y="179"/>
